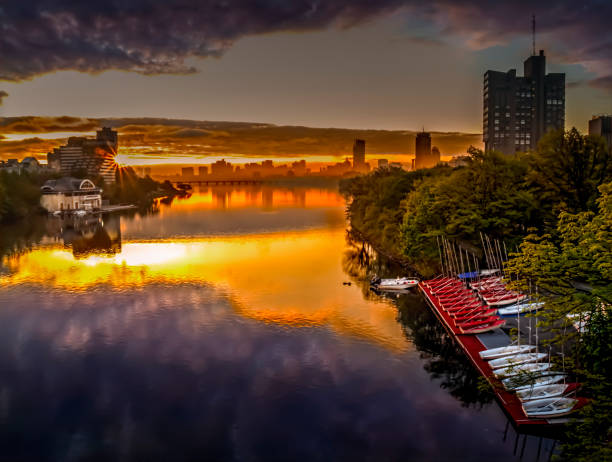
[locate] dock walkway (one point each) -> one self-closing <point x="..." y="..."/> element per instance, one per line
<point x="472" y="345"/>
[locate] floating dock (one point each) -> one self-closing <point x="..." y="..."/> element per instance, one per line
<point x="472" y="345"/>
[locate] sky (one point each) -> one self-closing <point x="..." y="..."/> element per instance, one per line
<point x="390" y="65"/>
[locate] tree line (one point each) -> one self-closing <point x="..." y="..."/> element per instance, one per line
<point x="552" y="207"/>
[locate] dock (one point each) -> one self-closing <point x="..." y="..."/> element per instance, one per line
<point x="115" y="208"/>
<point x="472" y="345"/>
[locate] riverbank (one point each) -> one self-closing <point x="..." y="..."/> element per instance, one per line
<point x="554" y="223"/>
<point x="20" y="193"/>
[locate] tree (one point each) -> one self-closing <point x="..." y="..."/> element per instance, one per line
<point x="573" y="269"/>
<point x="488" y="195"/>
<point x="567" y="169"/>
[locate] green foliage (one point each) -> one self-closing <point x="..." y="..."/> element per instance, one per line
<point x="567" y="170"/>
<point x="573" y="270"/>
<point x="489" y="195"/>
<point x="19" y="195"/>
<point x="503" y="196"/>
<point x="374" y="203"/>
<point x="129" y="188"/>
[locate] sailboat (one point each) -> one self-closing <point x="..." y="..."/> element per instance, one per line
<point x="515" y="360"/>
<point x="546" y="391"/>
<point x="520" y="369"/>
<point x="520" y="383"/>
<point x="551" y="407"/>
<point x="509" y="350"/>
<point x="520" y="308"/>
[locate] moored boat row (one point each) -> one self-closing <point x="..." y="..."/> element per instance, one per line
<point x="471" y="301"/>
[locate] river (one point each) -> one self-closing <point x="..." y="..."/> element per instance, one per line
<point x="223" y="327"/>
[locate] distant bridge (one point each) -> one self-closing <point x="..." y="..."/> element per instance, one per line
<point x="217" y="181"/>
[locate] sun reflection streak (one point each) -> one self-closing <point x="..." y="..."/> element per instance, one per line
<point x="280" y="278"/>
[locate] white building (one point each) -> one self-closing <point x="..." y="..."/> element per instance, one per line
<point x="69" y="193"/>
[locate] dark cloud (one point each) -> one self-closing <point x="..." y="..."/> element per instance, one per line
<point x="35" y="124"/>
<point x="604" y="82"/>
<point x="153" y="37"/>
<point x="3" y="95"/>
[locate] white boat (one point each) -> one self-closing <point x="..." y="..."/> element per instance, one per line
<point x="509" y="350"/>
<point x="519" y="383"/>
<point x="515" y="360"/>
<point x="519" y="369"/>
<point x="549" y="407"/>
<point x="395" y="284"/>
<point x="520" y="308"/>
<point x="545" y="391"/>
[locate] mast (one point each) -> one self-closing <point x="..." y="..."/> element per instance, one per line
<point x="533" y="35"/>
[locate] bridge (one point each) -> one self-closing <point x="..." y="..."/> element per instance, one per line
<point x="217" y="181"/>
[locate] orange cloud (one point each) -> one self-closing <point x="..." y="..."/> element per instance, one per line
<point x="166" y="138"/>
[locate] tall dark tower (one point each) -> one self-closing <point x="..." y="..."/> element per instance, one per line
<point x="518" y="111"/>
<point x="359" y="155"/>
<point x="422" y="152"/>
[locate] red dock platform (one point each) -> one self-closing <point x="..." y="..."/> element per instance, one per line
<point x="472" y="346"/>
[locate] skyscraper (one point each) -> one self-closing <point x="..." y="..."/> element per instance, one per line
<point x="422" y="152"/>
<point x="359" y="154"/>
<point x="518" y="111"/>
<point x="602" y="126"/>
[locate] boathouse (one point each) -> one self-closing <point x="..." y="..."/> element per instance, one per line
<point x="67" y="193"/>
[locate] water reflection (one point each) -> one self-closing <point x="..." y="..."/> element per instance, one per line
<point x="221" y="330"/>
<point x="443" y="360"/>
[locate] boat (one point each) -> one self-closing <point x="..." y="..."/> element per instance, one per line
<point x="519" y="308"/>
<point x="509" y="350"/>
<point x="481" y="328"/>
<point x="394" y="284"/>
<point x="546" y="391"/>
<point x="520" y="369"/>
<point x="519" y="383"/>
<point x="551" y="407"/>
<point x="515" y="360"/>
<point x="504" y="300"/>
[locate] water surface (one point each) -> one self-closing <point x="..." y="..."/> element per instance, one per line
<point x="219" y="328"/>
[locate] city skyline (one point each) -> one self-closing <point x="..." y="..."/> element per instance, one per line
<point x="316" y="63"/>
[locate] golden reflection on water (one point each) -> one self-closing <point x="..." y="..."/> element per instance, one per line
<point x="290" y="278"/>
<point x="286" y="278"/>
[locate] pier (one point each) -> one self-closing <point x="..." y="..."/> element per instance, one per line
<point x="472" y="345"/>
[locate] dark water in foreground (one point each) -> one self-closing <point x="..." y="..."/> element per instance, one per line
<point x="219" y="328"/>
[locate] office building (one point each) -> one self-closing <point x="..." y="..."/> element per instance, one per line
<point x="382" y="163"/>
<point x="221" y="168"/>
<point x="187" y="171"/>
<point x="602" y="126"/>
<point x="359" y="155"/>
<point x="96" y="157"/>
<point x="423" y="155"/>
<point x="202" y="170"/>
<point x="518" y="111"/>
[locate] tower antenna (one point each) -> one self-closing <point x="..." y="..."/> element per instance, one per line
<point x="533" y="35"/>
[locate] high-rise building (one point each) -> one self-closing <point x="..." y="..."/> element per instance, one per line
<point x="202" y="170"/>
<point x="422" y="152"/>
<point x="518" y="111"/>
<point x="435" y="156"/>
<point x="187" y="171"/>
<point x="602" y="126"/>
<point x="359" y="154"/>
<point x="221" y="167"/>
<point x="94" y="156"/>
